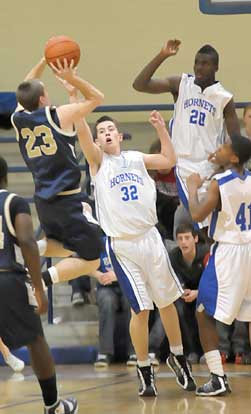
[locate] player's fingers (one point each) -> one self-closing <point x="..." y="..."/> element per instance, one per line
<point x="72" y="64"/>
<point x="54" y="68"/>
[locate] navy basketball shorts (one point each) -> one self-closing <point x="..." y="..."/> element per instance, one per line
<point x="19" y="323"/>
<point x="65" y="219"/>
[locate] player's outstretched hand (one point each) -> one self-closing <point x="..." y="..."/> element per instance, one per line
<point x="170" y="48"/>
<point x="64" y="71"/>
<point x="194" y="180"/>
<point x="42" y="301"/>
<point x="157" y="120"/>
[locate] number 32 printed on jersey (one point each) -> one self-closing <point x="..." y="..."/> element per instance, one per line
<point x="129" y="192"/>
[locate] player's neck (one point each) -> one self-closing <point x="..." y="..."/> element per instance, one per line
<point x="205" y="84"/>
<point x="238" y="168"/>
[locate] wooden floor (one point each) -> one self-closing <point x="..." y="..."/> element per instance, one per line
<point x="114" y="391"/>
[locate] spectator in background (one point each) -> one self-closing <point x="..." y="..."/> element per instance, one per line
<point x="110" y="301"/>
<point x="167" y="196"/>
<point x="81" y="288"/>
<point x="246" y="130"/>
<point x="188" y="261"/>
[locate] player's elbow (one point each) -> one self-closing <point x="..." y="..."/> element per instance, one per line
<point x="139" y="86"/>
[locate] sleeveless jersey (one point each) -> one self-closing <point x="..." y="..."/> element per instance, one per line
<point x="48" y="151"/>
<point x="198" y="126"/>
<point x="232" y="224"/>
<point x="10" y="253"/>
<point x="125" y="195"/>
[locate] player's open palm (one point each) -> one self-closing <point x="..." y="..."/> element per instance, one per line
<point x="170" y="48"/>
<point x="64" y="70"/>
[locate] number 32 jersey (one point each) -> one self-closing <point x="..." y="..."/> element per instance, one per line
<point x="198" y="124"/>
<point x="232" y="224"/>
<point x="125" y="195"/>
<point x="48" y="151"/>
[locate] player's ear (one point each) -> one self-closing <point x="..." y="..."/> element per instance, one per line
<point x="120" y="137"/>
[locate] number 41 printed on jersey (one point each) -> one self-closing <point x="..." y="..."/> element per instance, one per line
<point x="241" y="219"/>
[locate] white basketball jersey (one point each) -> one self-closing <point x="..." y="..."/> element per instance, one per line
<point x="125" y="195"/>
<point x="198" y="127"/>
<point x="232" y="224"/>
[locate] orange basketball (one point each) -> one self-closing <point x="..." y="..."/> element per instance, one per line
<point x="61" y="47"/>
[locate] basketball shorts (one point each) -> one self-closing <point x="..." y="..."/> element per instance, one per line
<point x="225" y="285"/>
<point x="19" y="324"/>
<point x="183" y="169"/>
<point x="65" y="219"/>
<point x="144" y="271"/>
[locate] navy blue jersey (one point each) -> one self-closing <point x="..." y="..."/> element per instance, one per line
<point x="10" y="254"/>
<point x="48" y="151"/>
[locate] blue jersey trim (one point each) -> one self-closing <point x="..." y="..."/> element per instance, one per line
<point x="123" y="280"/>
<point x="183" y="197"/>
<point x="233" y="175"/>
<point x="208" y="287"/>
<point x="213" y="223"/>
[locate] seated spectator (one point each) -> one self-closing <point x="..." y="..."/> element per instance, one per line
<point x="246" y="130"/>
<point x="167" y="196"/>
<point x="81" y="288"/>
<point x="188" y="261"/>
<point x="110" y="301"/>
<point x="234" y="342"/>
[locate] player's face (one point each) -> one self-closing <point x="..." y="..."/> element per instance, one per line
<point x="186" y="243"/>
<point x="223" y="156"/>
<point x="108" y="137"/>
<point x="204" y="69"/>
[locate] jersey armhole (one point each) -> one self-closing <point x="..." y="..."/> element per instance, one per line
<point x="7" y="214"/>
<point x="54" y="125"/>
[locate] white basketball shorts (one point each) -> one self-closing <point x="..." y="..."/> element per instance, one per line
<point x="225" y="285"/>
<point x="144" y="271"/>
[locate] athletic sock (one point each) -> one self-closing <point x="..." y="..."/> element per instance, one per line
<point x="176" y="350"/>
<point x="214" y="362"/>
<point x="50" y="276"/>
<point x="42" y="246"/>
<point x="145" y="363"/>
<point x="49" y="390"/>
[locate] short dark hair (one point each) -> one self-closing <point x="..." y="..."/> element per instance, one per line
<point x="29" y="93"/>
<point x="185" y="227"/>
<point x="3" y="169"/>
<point x="210" y="50"/>
<point x="102" y="119"/>
<point x="241" y="147"/>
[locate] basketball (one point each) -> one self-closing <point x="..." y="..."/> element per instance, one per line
<point x="61" y="47"/>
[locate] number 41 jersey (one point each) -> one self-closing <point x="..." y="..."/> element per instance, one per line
<point x="232" y="224"/>
<point x="48" y="151"/>
<point x="125" y="195"/>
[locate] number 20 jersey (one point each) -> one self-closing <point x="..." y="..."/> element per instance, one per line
<point x="232" y="224"/>
<point x="125" y="195"/>
<point x="198" y="124"/>
<point x="48" y="151"/>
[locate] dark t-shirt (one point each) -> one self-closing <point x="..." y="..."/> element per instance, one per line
<point x="189" y="275"/>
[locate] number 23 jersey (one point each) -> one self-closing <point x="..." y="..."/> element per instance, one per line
<point x="125" y="195"/>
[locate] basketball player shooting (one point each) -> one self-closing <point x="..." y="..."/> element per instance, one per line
<point x="46" y="138"/>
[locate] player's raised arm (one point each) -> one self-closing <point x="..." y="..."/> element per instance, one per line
<point x="145" y="82"/>
<point x="90" y="149"/>
<point x="37" y="70"/>
<point x="231" y="119"/>
<point x="93" y="97"/>
<point x="200" y="210"/>
<point x="166" y="159"/>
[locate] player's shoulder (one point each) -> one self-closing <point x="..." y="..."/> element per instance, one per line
<point x="187" y="77"/>
<point x="229" y="175"/>
<point x="219" y="88"/>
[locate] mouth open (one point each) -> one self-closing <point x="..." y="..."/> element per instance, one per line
<point x="108" y="140"/>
